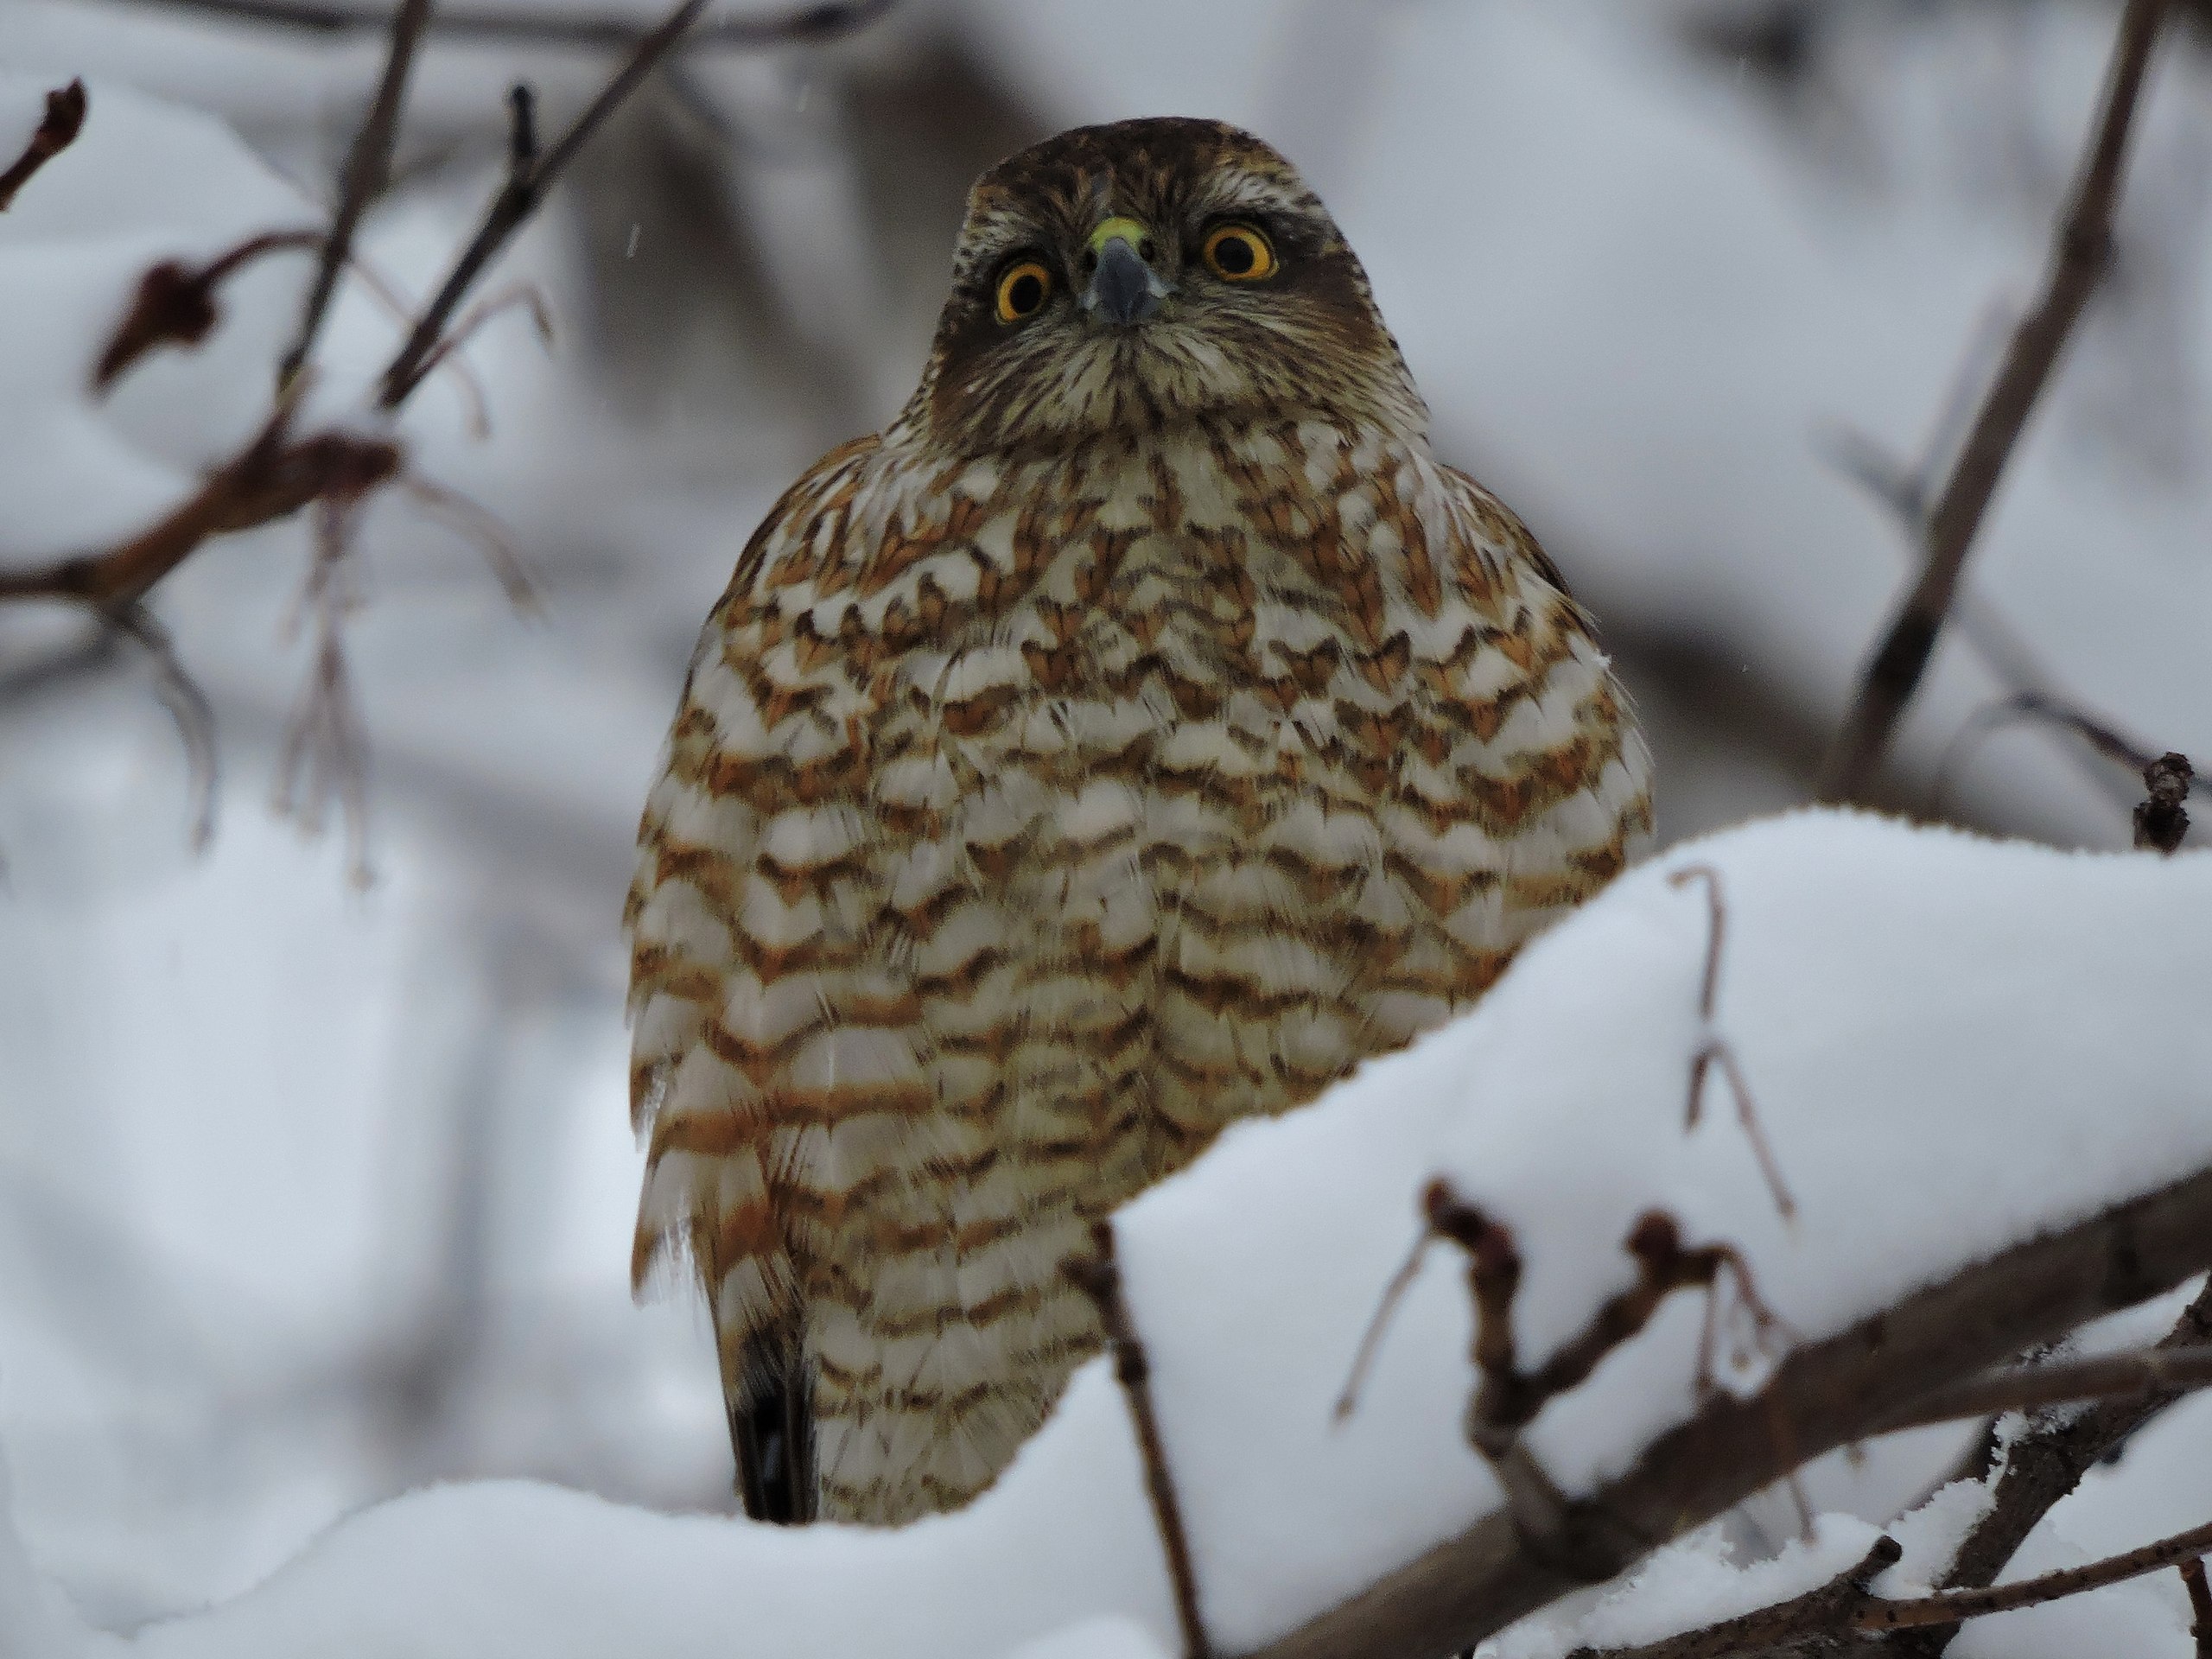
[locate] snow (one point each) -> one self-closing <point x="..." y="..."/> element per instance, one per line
<point x="1252" y="1275"/>
<point x="313" y="1198"/>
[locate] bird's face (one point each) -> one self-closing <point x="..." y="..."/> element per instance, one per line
<point x="1129" y="278"/>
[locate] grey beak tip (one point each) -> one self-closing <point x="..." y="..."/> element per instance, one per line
<point x="1123" y="284"/>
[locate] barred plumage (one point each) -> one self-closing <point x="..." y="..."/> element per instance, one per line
<point x="1140" y="733"/>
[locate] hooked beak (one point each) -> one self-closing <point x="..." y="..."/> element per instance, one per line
<point x="1124" y="288"/>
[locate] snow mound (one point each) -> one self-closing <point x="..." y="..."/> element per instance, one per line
<point x="1888" y="993"/>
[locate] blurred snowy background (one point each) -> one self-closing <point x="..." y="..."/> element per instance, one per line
<point x="309" y="1194"/>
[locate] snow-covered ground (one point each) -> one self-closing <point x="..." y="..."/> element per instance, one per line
<point x="309" y="1196"/>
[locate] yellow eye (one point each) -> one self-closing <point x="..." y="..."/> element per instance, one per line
<point x="1023" y="290"/>
<point x="1239" y="253"/>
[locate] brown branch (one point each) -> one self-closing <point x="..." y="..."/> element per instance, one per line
<point x="1828" y="1607"/>
<point x="272" y="478"/>
<point x="2164" y="1372"/>
<point x="1099" y="1277"/>
<point x="2081" y="254"/>
<point x="2162" y="820"/>
<point x="175" y="305"/>
<point x="1714" y="1049"/>
<point x="807" y="26"/>
<point x="2102" y="735"/>
<point x="57" y="130"/>
<point x="368" y="168"/>
<point x="187" y="704"/>
<point x="1949" y="1606"/>
<point x="528" y="177"/>
<point x="2042" y="1467"/>
<point x="1846" y="1603"/>
<point x="2200" y="1606"/>
<point x="1507" y="1399"/>
<point x="1822" y="1395"/>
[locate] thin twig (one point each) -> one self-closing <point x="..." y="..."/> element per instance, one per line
<point x="1100" y="1278"/>
<point x="2102" y="735"/>
<point x="2081" y="254"/>
<point x="2200" y="1606"/>
<point x="57" y="130"/>
<point x="525" y="186"/>
<point x="368" y="168"/>
<point x="1714" y="1049"/>
<point x="272" y="478"/>
<point x="174" y="304"/>
<point x="1949" y="1606"/>
<point x="808" y="26"/>
<point x="187" y="704"/>
<point x="2043" y="1466"/>
<point x="2025" y="1387"/>
<point x="1827" y="1607"/>
<point x="1370" y="1341"/>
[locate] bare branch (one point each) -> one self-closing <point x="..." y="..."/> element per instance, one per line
<point x="1099" y="1277"/>
<point x="528" y="177"/>
<point x="1829" y="1607"/>
<point x="1822" y="1395"/>
<point x="2200" y="1606"/>
<point x="175" y="305"/>
<point x="2042" y="1467"/>
<point x="2166" y="1371"/>
<point x="187" y="704"/>
<point x="2081" y="254"/>
<point x="1713" y="1048"/>
<point x="272" y="478"/>
<point x="1949" y="1606"/>
<point x="368" y="168"/>
<point x="64" y="120"/>
<point x="807" y="26"/>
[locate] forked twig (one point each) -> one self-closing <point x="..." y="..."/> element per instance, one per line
<point x="2081" y="251"/>
<point x="1714" y="1049"/>
<point x="1099" y="1277"/>
<point x="528" y="177"/>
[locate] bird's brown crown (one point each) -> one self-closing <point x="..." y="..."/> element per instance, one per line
<point x="1126" y="279"/>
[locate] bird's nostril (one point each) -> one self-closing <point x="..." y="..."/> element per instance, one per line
<point x="1145" y="249"/>
<point x="1089" y="262"/>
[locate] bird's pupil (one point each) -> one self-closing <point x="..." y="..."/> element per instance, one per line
<point x="1234" y="255"/>
<point x="1026" y="294"/>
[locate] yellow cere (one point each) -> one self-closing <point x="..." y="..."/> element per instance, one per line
<point x="1240" y="253"/>
<point x="1129" y="230"/>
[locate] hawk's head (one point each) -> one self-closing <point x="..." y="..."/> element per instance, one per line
<point x="1131" y="277"/>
